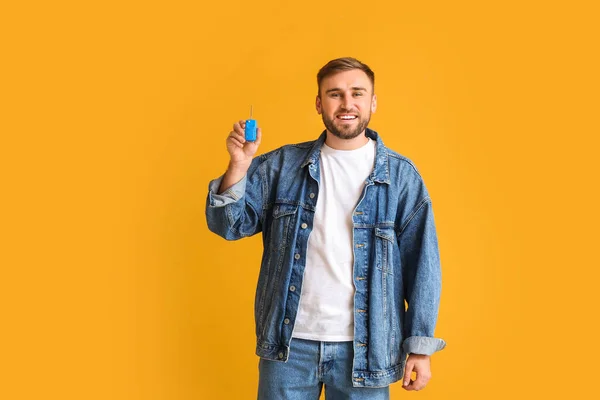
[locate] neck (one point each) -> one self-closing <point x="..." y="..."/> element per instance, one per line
<point x="346" y="144"/>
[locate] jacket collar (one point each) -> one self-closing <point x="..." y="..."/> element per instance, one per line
<point x="380" y="171"/>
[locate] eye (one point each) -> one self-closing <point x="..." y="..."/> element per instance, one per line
<point x="335" y="94"/>
<point x="358" y="94"/>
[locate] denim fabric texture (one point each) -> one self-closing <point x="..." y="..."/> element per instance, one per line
<point x="396" y="256"/>
<point x="310" y="366"/>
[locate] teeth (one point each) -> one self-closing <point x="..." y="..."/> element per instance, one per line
<point x="347" y="117"/>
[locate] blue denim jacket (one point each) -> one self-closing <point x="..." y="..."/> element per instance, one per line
<point x="396" y="256"/>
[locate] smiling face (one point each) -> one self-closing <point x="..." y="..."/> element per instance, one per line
<point x="346" y="101"/>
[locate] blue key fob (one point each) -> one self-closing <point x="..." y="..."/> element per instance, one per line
<point x="250" y="131"/>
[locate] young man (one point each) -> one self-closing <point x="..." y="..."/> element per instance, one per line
<point x="349" y="235"/>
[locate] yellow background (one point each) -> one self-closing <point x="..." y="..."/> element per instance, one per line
<point x="113" y="119"/>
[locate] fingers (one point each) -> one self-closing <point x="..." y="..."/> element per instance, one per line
<point x="239" y="127"/>
<point x="235" y="142"/>
<point x="240" y="134"/>
<point x="407" y="372"/>
<point x="258" y="136"/>
<point x="423" y="377"/>
<point x="418" y="384"/>
<point x="237" y="137"/>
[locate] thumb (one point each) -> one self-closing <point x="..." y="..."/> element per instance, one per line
<point x="258" y="136"/>
<point x="407" y="372"/>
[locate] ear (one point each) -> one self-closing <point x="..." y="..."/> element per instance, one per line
<point x="374" y="103"/>
<point x="318" y="105"/>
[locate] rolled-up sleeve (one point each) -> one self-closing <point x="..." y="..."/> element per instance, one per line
<point x="232" y="194"/>
<point x="422" y="281"/>
<point x="237" y="212"/>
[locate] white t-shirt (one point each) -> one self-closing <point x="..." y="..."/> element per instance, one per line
<point x="326" y="309"/>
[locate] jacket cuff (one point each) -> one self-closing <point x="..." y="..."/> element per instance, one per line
<point x="423" y="345"/>
<point x="231" y="195"/>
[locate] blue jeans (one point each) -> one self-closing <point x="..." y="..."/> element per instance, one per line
<point x="310" y="365"/>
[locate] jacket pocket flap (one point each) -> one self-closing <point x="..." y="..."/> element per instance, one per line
<point x="386" y="233"/>
<point x="281" y="210"/>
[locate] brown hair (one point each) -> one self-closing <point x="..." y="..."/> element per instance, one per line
<point x="343" y="64"/>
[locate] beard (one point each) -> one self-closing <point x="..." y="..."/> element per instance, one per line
<point x="345" y="130"/>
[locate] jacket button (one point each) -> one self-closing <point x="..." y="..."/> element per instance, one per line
<point x="280" y="355"/>
<point x="297" y="256"/>
<point x="292" y="288"/>
<point x="304" y="226"/>
<point x="312" y="195"/>
<point x="286" y="321"/>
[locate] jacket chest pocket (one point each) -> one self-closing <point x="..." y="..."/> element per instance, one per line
<point x="284" y="216"/>
<point x="385" y="240"/>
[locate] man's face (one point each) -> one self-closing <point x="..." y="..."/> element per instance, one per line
<point x="346" y="102"/>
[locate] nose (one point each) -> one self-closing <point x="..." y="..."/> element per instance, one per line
<point x="346" y="103"/>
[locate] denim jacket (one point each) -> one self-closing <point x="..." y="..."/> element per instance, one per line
<point x="396" y="256"/>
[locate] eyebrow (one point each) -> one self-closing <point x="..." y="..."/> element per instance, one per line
<point x="339" y="90"/>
